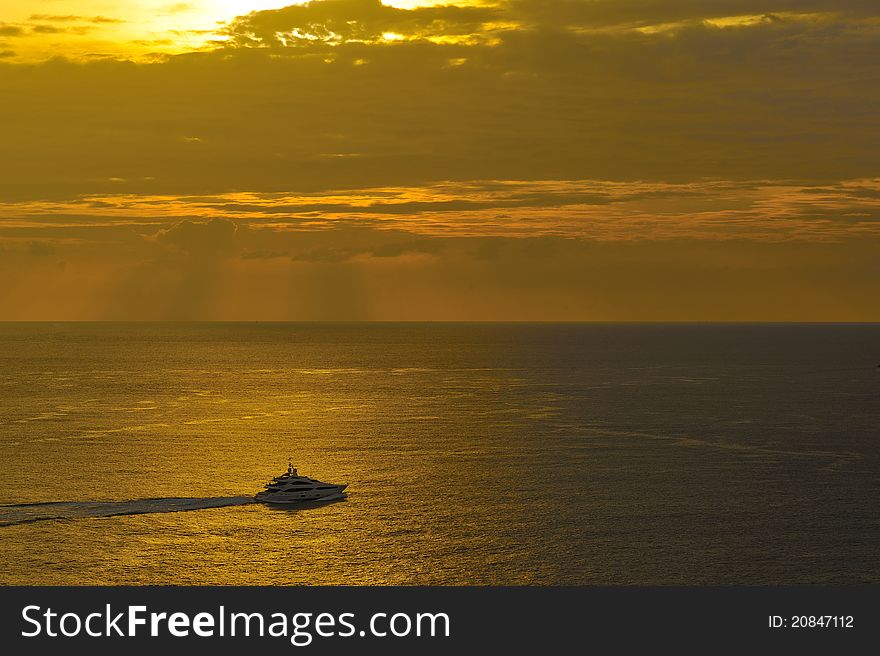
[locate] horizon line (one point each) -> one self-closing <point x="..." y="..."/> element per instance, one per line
<point x="448" y="321"/>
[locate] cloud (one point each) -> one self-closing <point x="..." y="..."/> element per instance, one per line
<point x="10" y="30"/>
<point x="603" y="13"/>
<point x="468" y="278"/>
<point x="48" y="29"/>
<point x="67" y="18"/>
<point x="211" y="237"/>
<point x="54" y="29"/>
<point x="768" y="100"/>
<point x="178" y="7"/>
<point x="41" y="248"/>
<point x="758" y="210"/>
<point x="326" y="255"/>
<point x="339" y="21"/>
<point x="264" y="255"/>
<point x="412" y="247"/>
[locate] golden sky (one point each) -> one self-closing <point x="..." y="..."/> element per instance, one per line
<point x="512" y="160"/>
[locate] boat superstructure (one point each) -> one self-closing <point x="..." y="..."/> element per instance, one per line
<point x="291" y="488"/>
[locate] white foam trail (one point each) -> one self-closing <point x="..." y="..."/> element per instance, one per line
<point x="25" y="513"/>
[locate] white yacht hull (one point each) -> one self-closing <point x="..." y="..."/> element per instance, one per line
<point x="275" y="501"/>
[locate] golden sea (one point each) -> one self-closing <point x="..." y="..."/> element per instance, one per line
<point x="479" y="454"/>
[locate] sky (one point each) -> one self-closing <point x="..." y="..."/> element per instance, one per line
<point x="534" y="160"/>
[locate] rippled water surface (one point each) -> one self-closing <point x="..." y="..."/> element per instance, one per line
<point x="475" y="454"/>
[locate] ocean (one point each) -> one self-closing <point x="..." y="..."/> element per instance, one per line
<point x="484" y="454"/>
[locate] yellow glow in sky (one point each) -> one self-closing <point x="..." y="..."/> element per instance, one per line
<point x="32" y="31"/>
<point x="84" y="28"/>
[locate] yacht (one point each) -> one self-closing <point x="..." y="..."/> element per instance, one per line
<point x="290" y="487"/>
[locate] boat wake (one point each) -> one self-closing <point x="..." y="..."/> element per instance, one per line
<point x="26" y="513"/>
